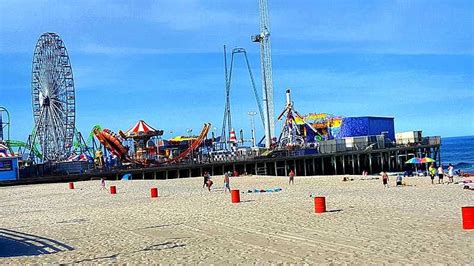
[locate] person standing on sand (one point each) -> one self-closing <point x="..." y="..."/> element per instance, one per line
<point x="206" y="178"/>
<point x="432" y="171"/>
<point x="292" y="177"/>
<point x="450" y="173"/>
<point x="385" y="179"/>
<point x="209" y="184"/>
<point x="399" y="180"/>
<point x="226" y="182"/>
<point x="102" y="183"/>
<point x="440" y="175"/>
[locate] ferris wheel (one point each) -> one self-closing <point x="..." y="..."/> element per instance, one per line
<point x="53" y="98"/>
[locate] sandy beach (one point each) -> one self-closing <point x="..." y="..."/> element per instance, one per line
<point x="365" y="223"/>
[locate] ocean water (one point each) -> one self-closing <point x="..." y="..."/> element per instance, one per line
<point x="459" y="151"/>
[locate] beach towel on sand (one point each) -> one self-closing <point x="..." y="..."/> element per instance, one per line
<point x="264" y="190"/>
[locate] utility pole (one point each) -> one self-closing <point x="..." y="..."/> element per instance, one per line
<point x="266" y="65"/>
<point x="252" y="125"/>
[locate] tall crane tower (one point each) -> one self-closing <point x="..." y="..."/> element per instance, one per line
<point x="266" y="64"/>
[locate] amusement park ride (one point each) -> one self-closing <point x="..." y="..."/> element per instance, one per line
<point x="53" y="102"/>
<point x="267" y="77"/>
<point x="53" y="99"/>
<point x="55" y="139"/>
<point x="145" y="142"/>
<point x="291" y="136"/>
<point x="4" y="124"/>
<point x="227" y="122"/>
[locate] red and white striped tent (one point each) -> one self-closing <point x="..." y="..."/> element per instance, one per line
<point x="79" y="157"/>
<point x="4" y="152"/>
<point x="142" y="129"/>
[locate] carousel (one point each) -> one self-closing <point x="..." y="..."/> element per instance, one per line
<point x="144" y="138"/>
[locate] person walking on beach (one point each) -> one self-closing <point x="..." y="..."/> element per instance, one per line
<point x="292" y="177"/>
<point x="440" y="174"/>
<point x="206" y="178"/>
<point x="207" y="181"/>
<point x="399" y="180"/>
<point x="102" y="183"/>
<point x="209" y="184"/>
<point x="432" y="171"/>
<point x="226" y="182"/>
<point x="385" y="179"/>
<point x="450" y="173"/>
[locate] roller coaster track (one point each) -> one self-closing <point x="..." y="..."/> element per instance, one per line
<point x="23" y="145"/>
<point x="194" y="144"/>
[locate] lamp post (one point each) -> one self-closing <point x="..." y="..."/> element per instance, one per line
<point x="252" y="125"/>
<point x="189" y="131"/>
<point x="214" y="139"/>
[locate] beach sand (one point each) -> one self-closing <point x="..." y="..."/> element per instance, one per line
<point x="365" y="223"/>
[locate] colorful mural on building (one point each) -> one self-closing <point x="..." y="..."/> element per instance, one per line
<point x="336" y="127"/>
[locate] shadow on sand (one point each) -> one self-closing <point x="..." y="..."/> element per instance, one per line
<point x="244" y="201"/>
<point x="338" y="210"/>
<point x="14" y="243"/>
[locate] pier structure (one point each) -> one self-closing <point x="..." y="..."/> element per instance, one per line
<point x="302" y="162"/>
<point x="343" y="163"/>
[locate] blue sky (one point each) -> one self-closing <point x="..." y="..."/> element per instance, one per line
<point x="161" y="61"/>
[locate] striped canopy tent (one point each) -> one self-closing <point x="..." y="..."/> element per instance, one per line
<point x="142" y="130"/>
<point x="79" y="157"/>
<point x="4" y="152"/>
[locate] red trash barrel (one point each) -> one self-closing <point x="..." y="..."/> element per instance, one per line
<point x="71" y="185"/>
<point x="319" y="204"/>
<point x="154" y="192"/>
<point x="113" y="190"/>
<point x="235" y="196"/>
<point x="468" y="217"/>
